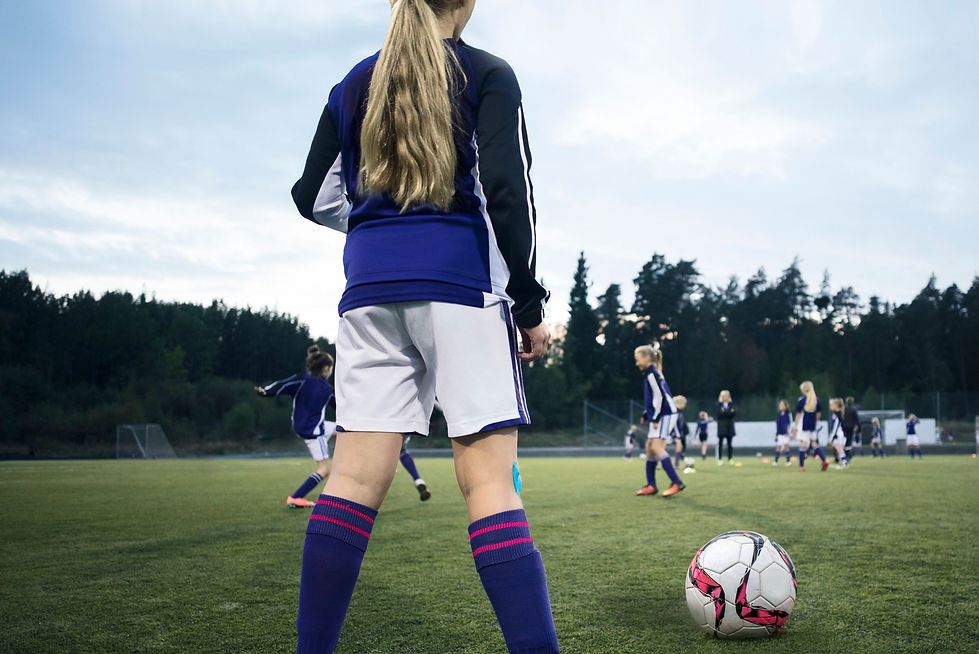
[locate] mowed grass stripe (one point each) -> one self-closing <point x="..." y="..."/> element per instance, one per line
<point x="202" y="555"/>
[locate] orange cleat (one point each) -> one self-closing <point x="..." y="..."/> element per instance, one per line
<point x="297" y="502"/>
<point x="674" y="489"/>
<point x="825" y="464"/>
<point x="646" y="490"/>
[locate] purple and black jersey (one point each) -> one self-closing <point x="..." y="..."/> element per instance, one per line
<point x="425" y="253"/>
<point x="808" y="417"/>
<point x="311" y="394"/>
<point x="910" y="427"/>
<point x="659" y="400"/>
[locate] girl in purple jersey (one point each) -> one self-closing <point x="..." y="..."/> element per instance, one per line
<point x="660" y="414"/>
<point x="421" y="158"/>
<point x="808" y="411"/>
<point x="782" y="421"/>
<point x="311" y="395"/>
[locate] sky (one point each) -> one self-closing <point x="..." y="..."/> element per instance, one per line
<point x="150" y="146"/>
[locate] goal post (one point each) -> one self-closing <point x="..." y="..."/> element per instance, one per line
<point x="143" y="441"/>
<point x="892" y="423"/>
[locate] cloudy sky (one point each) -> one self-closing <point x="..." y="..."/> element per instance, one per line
<point x="151" y="145"/>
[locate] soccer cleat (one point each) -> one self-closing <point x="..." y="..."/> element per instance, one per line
<point x="801" y="469"/>
<point x="297" y="502"/>
<point x="423" y="492"/>
<point x="674" y="489"/>
<point x="789" y="462"/>
<point x="646" y="490"/>
<point x="825" y="465"/>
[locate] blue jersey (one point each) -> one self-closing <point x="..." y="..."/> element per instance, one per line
<point x="808" y="417"/>
<point x="910" y="427"/>
<point x="478" y="252"/>
<point x="659" y="400"/>
<point x="311" y="394"/>
<point x="701" y="427"/>
<point x="782" y="422"/>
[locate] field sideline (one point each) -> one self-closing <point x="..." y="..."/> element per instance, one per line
<point x="201" y="555"/>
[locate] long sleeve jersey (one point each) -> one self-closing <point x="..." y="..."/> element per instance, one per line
<point x="659" y="400"/>
<point x="480" y="251"/>
<point x="311" y="394"/>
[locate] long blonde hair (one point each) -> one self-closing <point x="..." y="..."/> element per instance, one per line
<point x="811" y="400"/>
<point x="406" y="144"/>
<point x="653" y="352"/>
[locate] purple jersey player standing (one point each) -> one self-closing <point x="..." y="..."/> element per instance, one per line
<point x="661" y="414"/>
<point x="421" y="158"/>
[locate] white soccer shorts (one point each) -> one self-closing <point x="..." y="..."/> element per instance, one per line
<point x="781" y="439"/>
<point x="913" y="441"/>
<point x="664" y="429"/>
<point x="806" y="437"/>
<point x="394" y="359"/>
<point x="319" y="447"/>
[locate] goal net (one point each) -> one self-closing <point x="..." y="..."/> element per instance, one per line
<point x="891" y="425"/>
<point x="143" y="441"/>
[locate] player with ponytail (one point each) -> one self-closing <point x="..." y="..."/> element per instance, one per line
<point x="660" y="413"/>
<point x="808" y="411"/>
<point x="421" y="158"/>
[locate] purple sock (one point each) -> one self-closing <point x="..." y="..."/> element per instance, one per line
<point x="308" y="485"/>
<point x="802" y="458"/>
<point x="336" y="539"/>
<point x="819" y="453"/>
<point x="651" y="472"/>
<point x="409" y="463"/>
<point x="670" y="470"/>
<point x="513" y="576"/>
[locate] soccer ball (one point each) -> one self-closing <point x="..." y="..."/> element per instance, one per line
<point x="741" y="585"/>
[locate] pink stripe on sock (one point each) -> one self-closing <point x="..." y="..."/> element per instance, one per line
<point x="327" y="518"/>
<point x="496" y="546"/>
<point x="502" y="525"/>
<point x="346" y="508"/>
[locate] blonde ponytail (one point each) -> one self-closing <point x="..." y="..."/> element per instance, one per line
<point x="406" y="144"/>
<point x="811" y="401"/>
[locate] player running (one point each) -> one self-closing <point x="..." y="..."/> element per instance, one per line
<point x="660" y="413"/>
<point x="421" y="157"/>
<point x="630" y="442"/>
<point x="808" y="411"/>
<point x="702" y="420"/>
<point x="311" y="394"/>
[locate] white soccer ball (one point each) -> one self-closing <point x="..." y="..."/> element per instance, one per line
<point x="689" y="461"/>
<point x="741" y="585"/>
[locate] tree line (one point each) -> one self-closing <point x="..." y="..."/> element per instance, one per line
<point x="73" y="367"/>
<point x="762" y="337"/>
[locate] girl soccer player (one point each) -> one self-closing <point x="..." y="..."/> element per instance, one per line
<point x="680" y="429"/>
<point x="311" y="394"/>
<point x="630" y="442"/>
<point x="782" y="422"/>
<point x="702" y="420"/>
<point x="725" y="425"/>
<point x="808" y="411"/>
<point x="660" y="413"/>
<point x="837" y="435"/>
<point x="876" y="440"/>
<point x="914" y="445"/>
<point x="421" y="158"/>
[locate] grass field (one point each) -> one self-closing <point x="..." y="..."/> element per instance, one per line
<point x="202" y="556"/>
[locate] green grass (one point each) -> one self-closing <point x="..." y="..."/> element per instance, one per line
<point x="201" y="555"/>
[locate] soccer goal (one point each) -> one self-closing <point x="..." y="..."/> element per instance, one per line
<point x="891" y="427"/>
<point x="144" y="441"/>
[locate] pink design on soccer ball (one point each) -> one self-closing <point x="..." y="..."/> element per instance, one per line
<point x="756" y="615"/>
<point x="708" y="586"/>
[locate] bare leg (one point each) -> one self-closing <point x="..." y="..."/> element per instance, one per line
<point x="484" y="470"/>
<point x="364" y="466"/>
